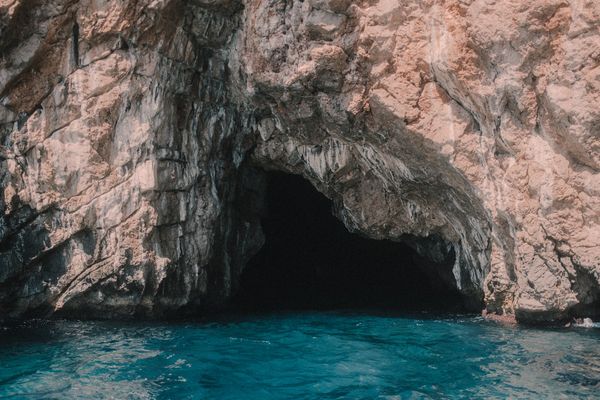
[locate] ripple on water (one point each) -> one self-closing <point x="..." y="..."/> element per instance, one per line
<point x="298" y="355"/>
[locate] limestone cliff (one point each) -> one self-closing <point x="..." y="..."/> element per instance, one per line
<point x="133" y="133"/>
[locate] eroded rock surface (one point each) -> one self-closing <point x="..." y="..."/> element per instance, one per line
<point x="132" y="135"/>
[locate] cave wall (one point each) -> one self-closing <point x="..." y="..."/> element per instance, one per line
<point x="129" y="132"/>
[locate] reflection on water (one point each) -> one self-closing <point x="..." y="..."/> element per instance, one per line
<point x="304" y="355"/>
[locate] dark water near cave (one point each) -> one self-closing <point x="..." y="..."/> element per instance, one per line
<point x="301" y="355"/>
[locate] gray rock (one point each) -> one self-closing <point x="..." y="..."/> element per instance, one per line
<point x="465" y="128"/>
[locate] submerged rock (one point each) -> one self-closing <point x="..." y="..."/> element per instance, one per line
<point x="133" y="134"/>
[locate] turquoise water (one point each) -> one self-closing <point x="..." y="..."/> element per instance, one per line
<point x="303" y="355"/>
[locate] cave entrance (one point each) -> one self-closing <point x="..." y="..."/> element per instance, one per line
<point x="311" y="261"/>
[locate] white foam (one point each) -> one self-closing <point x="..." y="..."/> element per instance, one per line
<point x="588" y="323"/>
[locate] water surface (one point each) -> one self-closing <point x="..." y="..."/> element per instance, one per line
<point x="300" y="355"/>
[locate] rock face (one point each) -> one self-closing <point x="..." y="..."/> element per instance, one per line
<point x="133" y="136"/>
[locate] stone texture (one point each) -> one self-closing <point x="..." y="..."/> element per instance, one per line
<point x="132" y="135"/>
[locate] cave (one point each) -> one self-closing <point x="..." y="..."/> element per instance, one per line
<point x="310" y="260"/>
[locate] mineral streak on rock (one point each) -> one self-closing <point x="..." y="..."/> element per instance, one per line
<point x="133" y="133"/>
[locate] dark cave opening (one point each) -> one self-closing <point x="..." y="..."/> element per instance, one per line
<point x="311" y="261"/>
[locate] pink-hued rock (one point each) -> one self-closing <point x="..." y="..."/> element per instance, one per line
<point x="132" y="135"/>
